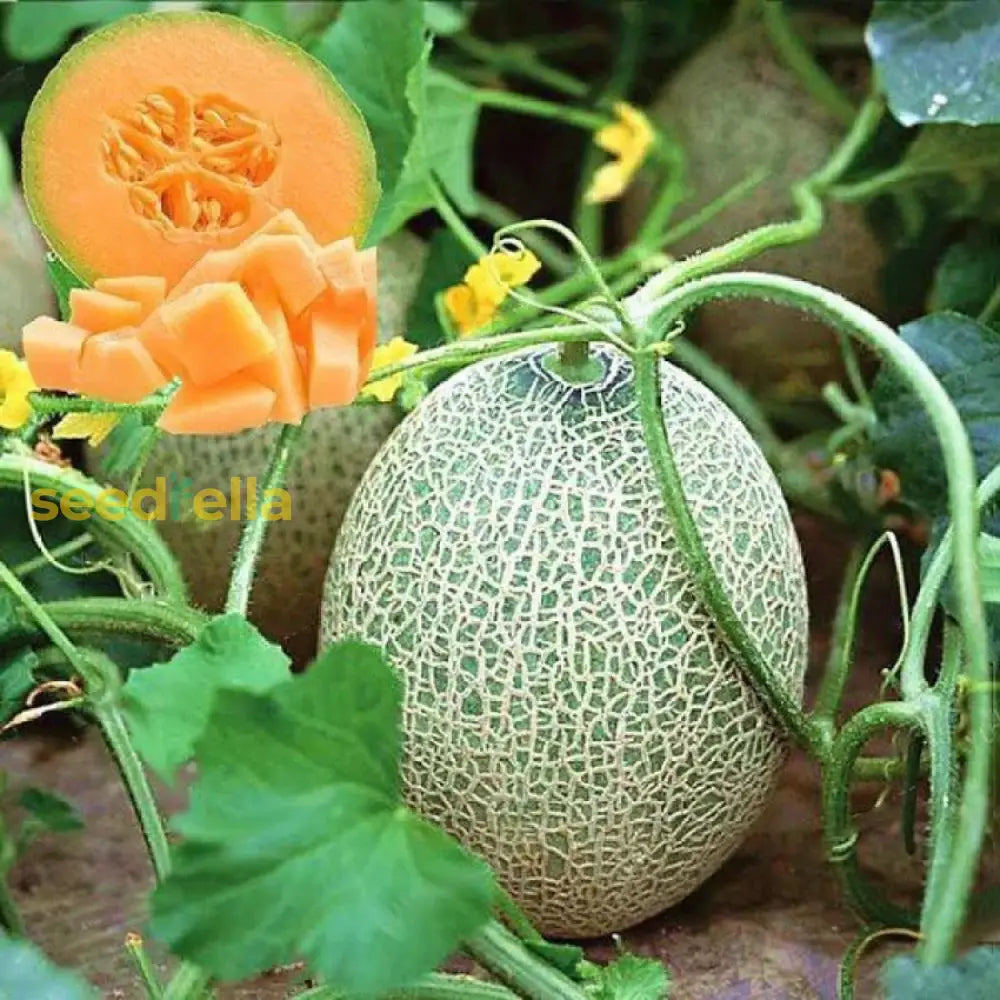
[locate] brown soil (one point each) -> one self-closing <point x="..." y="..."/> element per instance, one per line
<point x="770" y="924"/>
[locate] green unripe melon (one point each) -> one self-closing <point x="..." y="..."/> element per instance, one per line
<point x="572" y="712"/>
<point x="736" y="108"/>
<point x="25" y="290"/>
<point x="336" y="447"/>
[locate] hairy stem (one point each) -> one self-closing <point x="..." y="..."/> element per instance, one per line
<point x="496" y="949"/>
<point x="126" y="532"/>
<point x="254" y="531"/>
<point x="437" y="986"/>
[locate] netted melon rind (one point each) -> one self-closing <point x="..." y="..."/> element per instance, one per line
<point x="571" y="711"/>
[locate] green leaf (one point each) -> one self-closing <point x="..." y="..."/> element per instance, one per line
<point x="965" y="357"/>
<point x="49" y="811"/>
<point x="968" y="273"/>
<point x="167" y="706"/>
<point x="26" y="972"/>
<point x="973" y="976"/>
<point x="971" y="156"/>
<point x="628" y="977"/>
<point x="936" y="60"/>
<point x="297" y="845"/>
<point x="446" y="115"/>
<point x="447" y="261"/>
<point x="63" y="282"/>
<point x="41" y="28"/>
<point x="125" y="445"/>
<point x="16" y="681"/>
<point x="371" y="49"/>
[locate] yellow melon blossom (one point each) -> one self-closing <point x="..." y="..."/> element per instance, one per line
<point x="15" y="384"/>
<point x="389" y="354"/>
<point x="629" y="140"/>
<point x="474" y="303"/>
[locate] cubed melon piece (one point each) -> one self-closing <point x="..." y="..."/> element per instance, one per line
<point x="369" y="330"/>
<point x="147" y="290"/>
<point x="289" y="264"/>
<point x="340" y="263"/>
<point x="280" y="370"/>
<point x="116" y="367"/>
<point x="218" y="331"/>
<point x="53" y="349"/>
<point x="287" y="223"/>
<point x="234" y="404"/>
<point x="333" y="375"/>
<point x="163" y="345"/>
<point x="213" y="267"/>
<point x="99" y="312"/>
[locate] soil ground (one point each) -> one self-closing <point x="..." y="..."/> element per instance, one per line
<point x="769" y="926"/>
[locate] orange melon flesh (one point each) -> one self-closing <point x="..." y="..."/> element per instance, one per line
<point x="290" y="329"/>
<point x="333" y="362"/>
<point x="290" y="264"/>
<point x="99" y="312"/>
<point x="163" y="136"/>
<point x="280" y="370"/>
<point x="149" y="292"/>
<point x="234" y="404"/>
<point x="52" y="350"/>
<point x="218" y="331"/>
<point x="116" y="367"/>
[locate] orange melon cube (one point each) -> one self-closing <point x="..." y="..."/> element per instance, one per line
<point x="280" y="370"/>
<point x="287" y="263"/>
<point x="234" y="404"/>
<point x="340" y="263"/>
<point x="52" y="350"/>
<point x="148" y="291"/>
<point x="162" y="344"/>
<point x="333" y="375"/>
<point x="287" y="223"/>
<point x="218" y="331"/>
<point x="369" y="330"/>
<point x="213" y="267"/>
<point x="116" y="367"/>
<point x="99" y="312"/>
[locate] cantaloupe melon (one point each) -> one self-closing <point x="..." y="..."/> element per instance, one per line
<point x="337" y="447"/>
<point x="25" y="290"/>
<point x="736" y="108"/>
<point x="162" y="136"/>
<point x="572" y="713"/>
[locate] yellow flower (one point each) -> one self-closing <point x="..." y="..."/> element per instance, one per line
<point x="629" y="140"/>
<point x="95" y="427"/>
<point x="474" y="303"/>
<point x="389" y="354"/>
<point x="15" y="384"/>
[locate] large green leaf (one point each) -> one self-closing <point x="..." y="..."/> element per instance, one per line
<point x="229" y="653"/>
<point x="628" y="977"/>
<point x="297" y="844"/>
<point x="26" y="974"/>
<point x="968" y="273"/>
<point x="973" y="976"/>
<point x="965" y="357"/>
<point x="937" y="60"/>
<point x="371" y="49"/>
<point x="16" y="681"/>
<point x="42" y="27"/>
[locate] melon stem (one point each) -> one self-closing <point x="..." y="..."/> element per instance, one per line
<point x="574" y="363"/>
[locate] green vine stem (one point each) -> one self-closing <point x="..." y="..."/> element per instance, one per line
<point x="840" y="833"/>
<point x="87" y="618"/>
<point x="50" y="405"/>
<point x="130" y="533"/>
<point x="58" y="552"/>
<point x="437" y="986"/>
<point x="800" y="61"/>
<point x="781" y="703"/>
<point x="503" y="954"/>
<point x="955" y="863"/>
<point x="136" y="949"/>
<point x="101" y="681"/>
<point x="188" y="983"/>
<point x="254" y="531"/>
<point x="588" y="218"/>
<point x="504" y="100"/>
